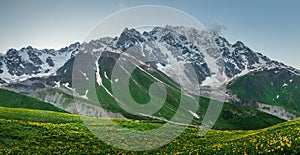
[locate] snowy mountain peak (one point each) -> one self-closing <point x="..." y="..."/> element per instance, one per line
<point x="18" y="65"/>
<point x="239" y="45"/>
<point x="128" y="38"/>
<point x="173" y="44"/>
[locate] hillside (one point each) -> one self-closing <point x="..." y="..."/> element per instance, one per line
<point x="16" y="100"/>
<point x="276" y="87"/>
<point x="44" y="132"/>
<point x="231" y="117"/>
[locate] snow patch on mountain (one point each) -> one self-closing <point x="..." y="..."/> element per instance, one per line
<point x="194" y="114"/>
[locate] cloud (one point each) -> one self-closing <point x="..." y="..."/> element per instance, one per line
<point x="216" y="28"/>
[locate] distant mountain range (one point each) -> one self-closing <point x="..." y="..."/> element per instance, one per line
<point x="252" y="79"/>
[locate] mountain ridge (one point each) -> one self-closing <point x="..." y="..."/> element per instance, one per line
<point x="226" y="50"/>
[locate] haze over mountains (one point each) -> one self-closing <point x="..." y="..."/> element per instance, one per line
<point x="253" y="80"/>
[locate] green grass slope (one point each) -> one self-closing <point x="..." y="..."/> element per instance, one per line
<point x="232" y="116"/>
<point x="25" y="131"/>
<point x="235" y="117"/>
<point x="16" y="100"/>
<point x="274" y="87"/>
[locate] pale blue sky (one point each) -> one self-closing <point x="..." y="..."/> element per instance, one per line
<point x="267" y="26"/>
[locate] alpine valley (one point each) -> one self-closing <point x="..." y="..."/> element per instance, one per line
<point x="260" y="92"/>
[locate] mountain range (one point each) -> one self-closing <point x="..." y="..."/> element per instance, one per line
<point x="254" y="82"/>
